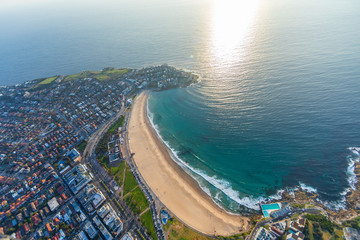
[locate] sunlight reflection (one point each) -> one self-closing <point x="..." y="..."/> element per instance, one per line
<point x="231" y="24"/>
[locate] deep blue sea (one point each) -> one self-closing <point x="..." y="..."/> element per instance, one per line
<point x="278" y="104"/>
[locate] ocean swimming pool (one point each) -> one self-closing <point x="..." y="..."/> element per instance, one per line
<point x="268" y="208"/>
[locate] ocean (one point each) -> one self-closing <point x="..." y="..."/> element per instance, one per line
<point x="278" y="102"/>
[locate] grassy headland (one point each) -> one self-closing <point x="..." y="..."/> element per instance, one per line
<point x="106" y="74"/>
<point x="44" y="83"/>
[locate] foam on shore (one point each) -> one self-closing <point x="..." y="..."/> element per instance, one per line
<point x="253" y="202"/>
<point x="175" y="188"/>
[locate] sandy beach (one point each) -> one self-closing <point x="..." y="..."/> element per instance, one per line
<point x="179" y="192"/>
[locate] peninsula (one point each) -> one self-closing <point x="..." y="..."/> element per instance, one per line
<point x="80" y="159"/>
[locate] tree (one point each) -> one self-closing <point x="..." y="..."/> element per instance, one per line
<point x="10" y="230"/>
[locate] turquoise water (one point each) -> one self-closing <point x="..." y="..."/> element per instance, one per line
<point x="278" y="104"/>
<point x="273" y="206"/>
<point x="266" y="207"/>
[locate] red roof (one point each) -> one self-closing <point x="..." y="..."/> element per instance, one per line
<point x="56" y="220"/>
<point x="48" y="228"/>
<point x="63" y="196"/>
<point x="26" y="228"/>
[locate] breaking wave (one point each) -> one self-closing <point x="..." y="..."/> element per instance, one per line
<point x="307" y="188"/>
<point x="254" y="202"/>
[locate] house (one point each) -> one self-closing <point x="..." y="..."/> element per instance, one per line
<point x="48" y="227"/>
<point x="47" y="211"/>
<point x="26" y="228"/>
<point x="298" y="225"/>
<point x="19" y="217"/>
<point x="32" y="205"/>
<point x="35" y="219"/>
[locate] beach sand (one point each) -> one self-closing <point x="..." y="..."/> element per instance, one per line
<point x="179" y="192"/>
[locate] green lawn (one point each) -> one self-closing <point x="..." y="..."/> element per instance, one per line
<point x="167" y="225"/>
<point x="118" y="123"/>
<point x="104" y="161"/>
<point x="147" y="222"/>
<point x="179" y="231"/>
<point x="81" y="147"/>
<point x="115" y="170"/>
<point x="44" y="83"/>
<point x="105" y="75"/>
<point x="78" y="76"/>
<point x="136" y="201"/>
<point x="118" y="172"/>
<point x="130" y="181"/>
<point x="73" y="77"/>
<point x="111" y="74"/>
<point x="48" y="80"/>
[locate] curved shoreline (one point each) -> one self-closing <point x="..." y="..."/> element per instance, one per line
<point x="178" y="191"/>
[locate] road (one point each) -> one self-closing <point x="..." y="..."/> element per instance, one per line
<point x="96" y="136"/>
<point x="131" y="222"/>
<point x="150" y="196"/>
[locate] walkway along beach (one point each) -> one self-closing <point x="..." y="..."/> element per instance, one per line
<point x="175" y="189"/>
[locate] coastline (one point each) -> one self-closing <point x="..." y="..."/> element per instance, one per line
<point x="178" y="191"/>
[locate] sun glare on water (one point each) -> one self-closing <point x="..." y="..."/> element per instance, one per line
<point x="231" y="24"/>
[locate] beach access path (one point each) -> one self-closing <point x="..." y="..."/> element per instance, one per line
<point x="179" y="192"/>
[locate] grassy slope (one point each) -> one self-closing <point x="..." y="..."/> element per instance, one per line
<point x="104" y="75"/>
<point x="178" y="231"/>
<point x="84" y="74"/>
<point x="137" y="201"/>
<point x="319" y="227"/>
<point x="119" y="123"/>
<point x="104" y="162"/>
<point x="111" y="74"/>
<point x="48" y="80"/>
<point x="129" y="182"/>
<point x="44" y="83"/>
<point x="81" y="147"/>
<point x="118" y="172"/>
<point x="147" y="222"/>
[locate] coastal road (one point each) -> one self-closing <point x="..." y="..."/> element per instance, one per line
<point x="100" y="174"/>
<point x="95" y="137"/>
<point x="151" y="197"/>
